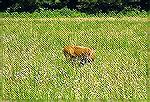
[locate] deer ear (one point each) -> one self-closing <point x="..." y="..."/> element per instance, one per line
<point x="88" y="53"/>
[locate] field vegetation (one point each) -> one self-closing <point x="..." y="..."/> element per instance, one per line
<point x="65" y="12"/>
<point x="34" y="32"/>
<point x="34" y="67"/>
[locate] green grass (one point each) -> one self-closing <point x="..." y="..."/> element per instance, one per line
<point x="34" y="67"/>
<point x="65" y="12"/>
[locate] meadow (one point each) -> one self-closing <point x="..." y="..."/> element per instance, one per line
<point x="34" y="67"/>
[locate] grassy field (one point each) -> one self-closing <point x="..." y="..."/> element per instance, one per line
<point x="33" y="65"/>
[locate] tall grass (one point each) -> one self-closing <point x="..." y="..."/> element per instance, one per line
<point x="34" y="67"/>
<point x="65" y="12"/>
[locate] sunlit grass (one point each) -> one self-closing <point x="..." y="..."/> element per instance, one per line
<point x="34" y="66"/>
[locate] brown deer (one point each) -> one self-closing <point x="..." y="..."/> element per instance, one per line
<point x="84" y="54"/>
